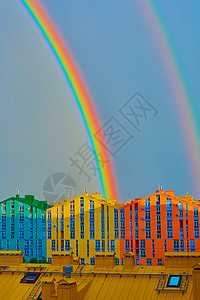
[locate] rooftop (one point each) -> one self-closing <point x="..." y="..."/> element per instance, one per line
<point x="24" y="281"/>
<point x="29" y="200"/>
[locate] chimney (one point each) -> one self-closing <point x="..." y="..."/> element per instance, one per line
<point x="67" y="270"/>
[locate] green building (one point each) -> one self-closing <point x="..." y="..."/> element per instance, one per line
<point x="23" y="226"/>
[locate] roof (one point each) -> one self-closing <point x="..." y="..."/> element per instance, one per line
<point x="11" y="252"/>
<point x="167" y="194"/>
<point x="129" y="254"/>
<point x="189" y="254"/>
<point x="30" y="200"/>
<point x="105" y="253"/>
<point x="95" y="197"/>
<point x="62" y="253"/>
<point x="107" y="283"/>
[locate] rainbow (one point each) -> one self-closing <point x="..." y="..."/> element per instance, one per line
<point x="183" y="98"/>
<point x="78" y="89"/>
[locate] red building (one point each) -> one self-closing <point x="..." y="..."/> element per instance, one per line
<point x="158" y="223"/>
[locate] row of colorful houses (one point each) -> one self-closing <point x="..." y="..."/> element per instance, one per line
<point x="90" y="225"/>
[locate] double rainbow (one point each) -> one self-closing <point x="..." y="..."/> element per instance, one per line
<point x="80" y="94"/>
<point x="183" y="99"/>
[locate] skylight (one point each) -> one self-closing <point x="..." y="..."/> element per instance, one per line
<point x="174" y="281"/>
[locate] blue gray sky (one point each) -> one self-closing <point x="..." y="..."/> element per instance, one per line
<point x="117" y="55"/>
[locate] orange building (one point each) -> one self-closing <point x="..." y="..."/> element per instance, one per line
<point x="159" y="223"/>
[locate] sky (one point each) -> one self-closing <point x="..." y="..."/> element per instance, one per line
<point x="118" y="56"/>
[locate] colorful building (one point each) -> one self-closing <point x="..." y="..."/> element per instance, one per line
<point x="87" y="225"/>
<point x="159" y="223"/>
<point x="23" y="226"/>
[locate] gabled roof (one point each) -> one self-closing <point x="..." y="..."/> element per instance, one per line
<point x="30" y="200"/>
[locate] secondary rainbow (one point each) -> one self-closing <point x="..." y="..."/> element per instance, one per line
<point x="78" y="89"/>
<point x="183" y="98"/>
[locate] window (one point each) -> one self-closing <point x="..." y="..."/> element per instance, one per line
<point x="127" y="247"/>
<point x="108" y="223"/>
<point x="82" y="261"/>
<point x="180" y="210"/>
<point x="137" y="261"/>
<point x="72" y="235"/>
<point x="165" y="245"/>
<point x="148" y="234"/>
<point x="122" y="261"/>
<point x="186" y="211"/>
<point x="21" y="235"/>
<point x="159" y="261"/>
<point x="122" y="222"/>
<point x="131" y="224"/>
<point x="53" y="245"/>
<point x="88" y="248"/>
<point x="147" y="204"/>
<point x="49" y="224"/>
<point x="76" y="247"/>
<point x="72" y="220"/>
<point x="67" y="245"/>
<point x="169" y="218"/>
<point x="158" y="217"/>
<point x="4" y="208"/>
<point x="169" y="234"/>
<point x="102" y="222"/>
<point x="116" y="261"/>
<point x="137" y="248"/>
<point x="62" y="245"/>
<point x="17" y="245"/>
<point x="30" y="278"/>
<point x="147" y="218"/>
<point x="49" y="260"/>
<point x="97" y="245"/>
<point x="40" y="248"/>
<point x="21" y="207"/>
<point x="136" y="222"/>
<point x="142" y="248"/>
<point x="116" y="223"/>
<point x="169" y="204"/>
<point x="181" y="228"/>
<point x="112" y="246"/>
<point x="82" y="217"/>
<point x="196" y="223"/>
<point x="31" y="248"/>
<point x="176" y="245"/>
<point x="174" y="281"/>
<point x="192" y="246"/>
<point x="103" y="245"/>
<point x="182" y="245"/>
<point x="7" y="245"/>
<point x="92" y="234"/>
<point x="153" y="249"/>
<point x="92" y="261"/>
<point x="148" y="262"/>
<point x="26" y="247"/>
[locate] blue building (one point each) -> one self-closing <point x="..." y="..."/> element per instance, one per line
<point x="23" y="226"/>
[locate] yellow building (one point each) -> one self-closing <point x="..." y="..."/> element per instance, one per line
<point x="86" y="225"/>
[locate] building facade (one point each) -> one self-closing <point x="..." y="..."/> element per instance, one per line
<point x="23" y="226"/>
<point x="159" y="223"/>
<point x="86" y="225"/>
